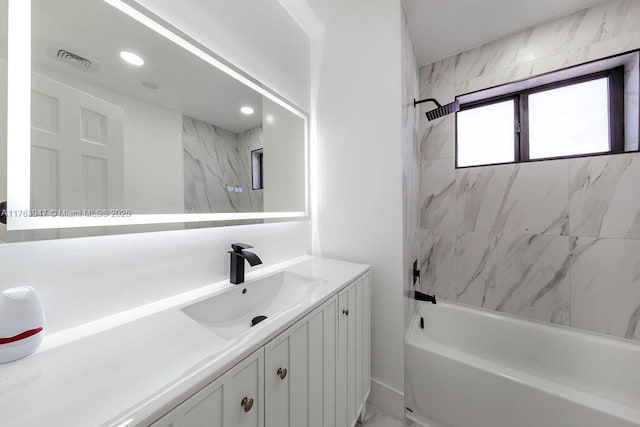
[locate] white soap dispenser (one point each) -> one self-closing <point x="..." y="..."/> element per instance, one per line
<point x="21" y="323"/>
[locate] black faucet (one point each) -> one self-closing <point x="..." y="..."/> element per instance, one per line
<point x="238" y="255"/>
<point x="425" y="297"/>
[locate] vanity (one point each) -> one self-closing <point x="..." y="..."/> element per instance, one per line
<point x="189" y="361"/>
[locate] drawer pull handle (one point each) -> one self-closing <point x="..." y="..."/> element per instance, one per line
<point x="282" y="373"/>
<point x="345" y="311"/>
<point x="247" y="404"/>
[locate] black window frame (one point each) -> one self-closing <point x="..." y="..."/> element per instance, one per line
<point x="616" y="106"/>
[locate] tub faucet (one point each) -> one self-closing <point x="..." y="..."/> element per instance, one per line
<point x="238" y="255"/>
<point x="425" y="297"/>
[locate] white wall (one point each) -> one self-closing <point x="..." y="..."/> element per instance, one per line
<point x="256" y="35"/>
<point x="83" y="279"/>
<point x="357" y="104"/>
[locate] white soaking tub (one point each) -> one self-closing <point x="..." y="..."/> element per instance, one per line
<point x="470" y="367"/>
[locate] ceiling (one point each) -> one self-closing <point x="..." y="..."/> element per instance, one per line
<point x="186" y="84"/>
<point x="441" y="28"/>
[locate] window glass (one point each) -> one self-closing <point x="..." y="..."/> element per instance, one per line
<point x="569" y="120"/>
<point x="486" y="134"/>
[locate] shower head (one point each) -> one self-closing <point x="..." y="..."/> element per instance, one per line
<point x="442" y="110"/>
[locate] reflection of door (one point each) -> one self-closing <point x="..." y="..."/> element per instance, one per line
<point x="76" y="149"/>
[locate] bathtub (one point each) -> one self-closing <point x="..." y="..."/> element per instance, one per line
<point x="470" y="367"/>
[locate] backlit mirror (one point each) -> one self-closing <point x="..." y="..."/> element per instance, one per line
<point x="131" y="122"/>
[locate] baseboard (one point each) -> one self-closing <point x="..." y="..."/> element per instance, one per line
<point x="387" y="398"/>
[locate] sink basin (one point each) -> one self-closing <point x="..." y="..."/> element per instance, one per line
<point x="229" y="314"/>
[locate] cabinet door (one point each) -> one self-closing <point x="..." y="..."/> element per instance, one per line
<point x="353" y="352"/>
<point x="204" y="408"/>
<point x="346" y="358"/>
<point x="350" y="316"/>
<point x="360" y="347"/>
<point x="366" y="327"/>
<point x="276" y="382"/>
<point x="304" y="394"/>
<point x="323" y="338"/>
<point x="221" y="402"/>
<point x="243" y="393"/>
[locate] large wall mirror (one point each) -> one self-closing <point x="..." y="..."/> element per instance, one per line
<point x="115" y="118"/>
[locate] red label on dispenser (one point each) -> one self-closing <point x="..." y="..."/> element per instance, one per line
<point x="21" y="336"/>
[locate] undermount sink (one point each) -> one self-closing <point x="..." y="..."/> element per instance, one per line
<point x="229" y="314"/>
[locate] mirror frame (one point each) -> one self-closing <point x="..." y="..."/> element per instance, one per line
<point x="19" y="215"/>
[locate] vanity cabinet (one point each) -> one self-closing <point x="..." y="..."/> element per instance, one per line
<point x="234" y="399"/>
<point x="314" y="374"/>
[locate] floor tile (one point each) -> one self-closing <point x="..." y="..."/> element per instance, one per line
<point x="378" y="418"/>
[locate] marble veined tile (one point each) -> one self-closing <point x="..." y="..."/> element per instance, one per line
<point x="576" y="31"/>
<point x="605" y="201"/>
<point x="632" y="98"/>
<point x="620" y="44"/>
<point x="519" y="274"/>
<point x="617" y="18"/>
<point x="437" y="190"/>
<point x="472" y="257"/>
<point x="437" y="263"/>
<point x="521" y="70"/>
<point x="496" y="78"/>
<point x="437" y="138"/>
<point x="438" y="73"/>
<point x="480" y="60"/>
<point x="524" y="198"/>
<point x="605" y="286"/>
<point x="214" y="159"/>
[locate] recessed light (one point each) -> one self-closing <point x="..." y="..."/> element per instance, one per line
<point x="132" y="58"/>
<point x="246" y="110"/>
<point x="269" y="118"/>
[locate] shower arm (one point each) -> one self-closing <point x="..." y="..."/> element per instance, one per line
<point x="426" y="100"/>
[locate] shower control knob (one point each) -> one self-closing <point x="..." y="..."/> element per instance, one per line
<point x="345" y="311"/>
<point x="282" y="373"/>
<point x="247" y="404"/>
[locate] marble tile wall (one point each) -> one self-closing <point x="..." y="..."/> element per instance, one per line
<point x="556" y="241"/>
<point x="215" y="158"/>
<point x="411" y="165"/>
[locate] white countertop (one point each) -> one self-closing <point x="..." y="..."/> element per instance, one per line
<point x="134" y="366"/>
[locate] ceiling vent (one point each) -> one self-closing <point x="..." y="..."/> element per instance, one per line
<point x="72" y="57"/>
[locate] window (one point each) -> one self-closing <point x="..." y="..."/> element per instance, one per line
<point x="569" y="120"/>
<point x="562" y="114"/>
<point x="481" y="143"/>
